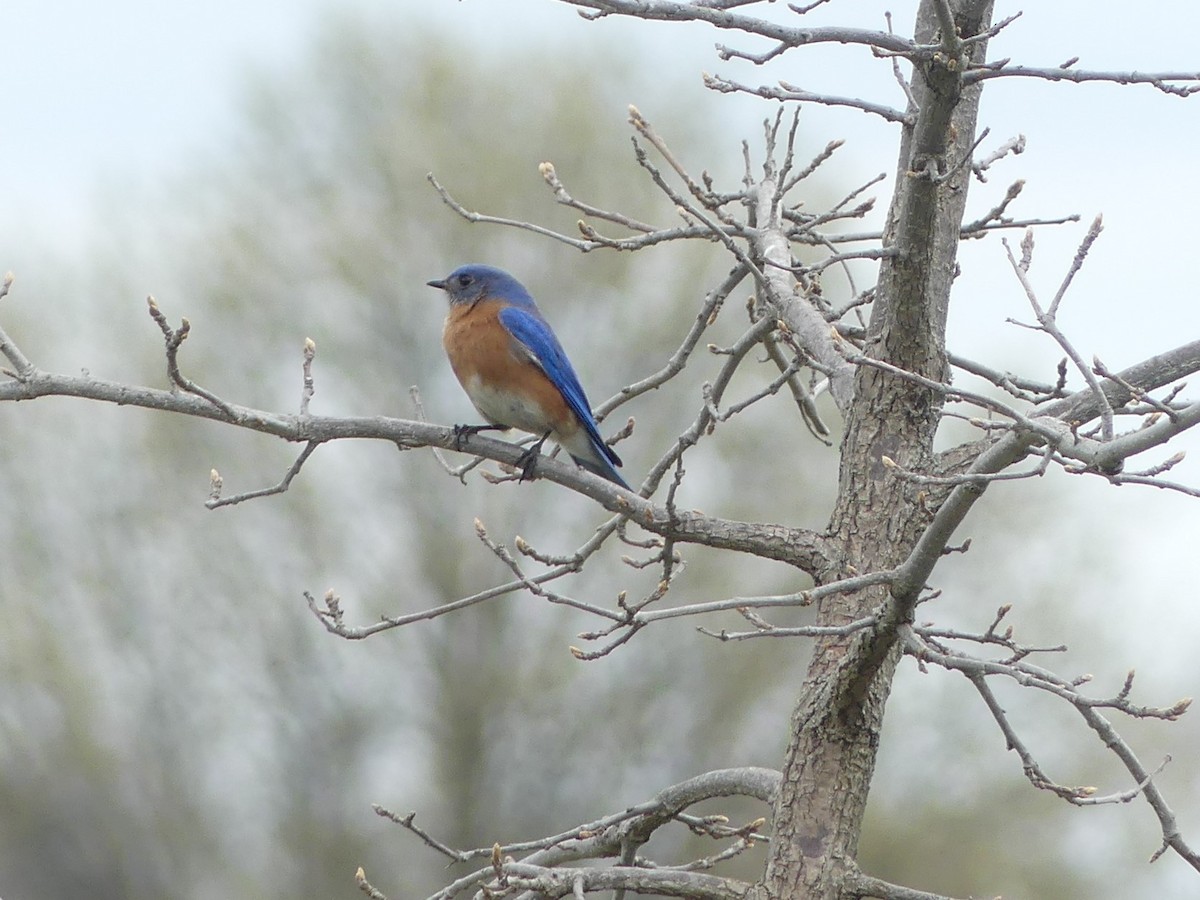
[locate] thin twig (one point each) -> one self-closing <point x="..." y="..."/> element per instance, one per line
<point x="216" y="501"/>
<point x="1162" y="81"/>
<point x="174" y="339"/>
<point x="1047" y="318"/>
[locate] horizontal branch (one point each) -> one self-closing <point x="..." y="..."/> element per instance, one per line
<point x="799" y="547"/>
<point x="656" y="882"/>
<point x="789" y="92"/>
<point x="1163" y="81"/>
<point x="1019" y="386"/>
<point x="858" y="886"/>
<point x="766" y="630"/>
<point x="790" y="36"/>
<point x="971" y="230"/>
<point x="844" y="586"/>
<point x="592" y="239"/>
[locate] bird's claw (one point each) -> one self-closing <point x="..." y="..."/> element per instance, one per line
<point x="527" y="461"/>
<point x="462" y="432"/>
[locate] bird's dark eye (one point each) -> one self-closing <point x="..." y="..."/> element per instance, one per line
<point x="464" y="280"/>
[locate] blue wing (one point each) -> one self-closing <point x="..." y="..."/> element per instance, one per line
<point x="536" y="337"/>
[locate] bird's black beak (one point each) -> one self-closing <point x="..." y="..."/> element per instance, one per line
<point x="440" y="284"/>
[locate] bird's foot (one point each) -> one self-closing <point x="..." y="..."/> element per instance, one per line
<point x="462" y="432"/>
<point x="527" y="461"/>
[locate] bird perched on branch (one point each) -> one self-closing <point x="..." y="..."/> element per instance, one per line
<point x="515" y="371"/>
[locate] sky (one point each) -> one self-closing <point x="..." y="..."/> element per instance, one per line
<point x="125" y="90"/>
<point x="133" y="91"/>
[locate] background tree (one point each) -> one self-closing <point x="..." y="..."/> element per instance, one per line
<point x="347" y="265"/>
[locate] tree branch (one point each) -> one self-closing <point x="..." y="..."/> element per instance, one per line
<point x="609" y="837"/>
<point x="786" y="92"/>
<point x="666" y="10"/>
<point x="1028" y="675"/>
<point x="659" y="882"/>
<point x="1160" y="80"/>
<point x="858" y="886"/>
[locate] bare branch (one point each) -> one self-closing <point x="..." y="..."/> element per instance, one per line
<point x="790" y="92"/>
<point x="1033" y="676"/>
<point x="660" y="882"/>
<point x="852" y="237"/>
<point x="1033" y="771"/>
<point x="803" y="319"/>
<point x="768" y="390"/>
<point x="409" y="823"/>
<point x="795" y="631"/>
<point x="309" y="388"/>
<point x="562" y="196"/>
<point x="705" y="317"/>
<point x="1151" y="481"/>
<point x="951" y="42"/>
<point x="1076" y="263"/>
<point x="360" y="879"/>
<point x="459" y="472"/>
<point x="712" y="396"/>
<point x="807" y="8"/>
<point x="532" y="585"/>
<point x="971" y="478"/>
<point x="721" y="18"/>
<point x="1015" y="146"/>
<point x="858" y="886"/>
<point x="905" y="86"/>
<point x="22" y="367"/>
<point x="643" y="127"/>
<point x="1045" y="430"/>
<point x="609" y="836"/>
<point x="838" y="258"/>
<point x="996" y="213"/>
<point x="722" y="234"/>
<point x="816" y="163"/>
<point x="805" y="401"/>
<point x="1018" y="386"/>
<point x="594" y="240"/>
<point x="1079" y="407"/>
<point x="216" y="501"/>
<point x="1103" y="371"/>
<point x="1163" y="81"/>
<point x="1047" y="318"/>
<point x="848" y="585"/>
<point x="174" y="340"/>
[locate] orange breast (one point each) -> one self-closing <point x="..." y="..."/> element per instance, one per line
<point x="502" y="382"/>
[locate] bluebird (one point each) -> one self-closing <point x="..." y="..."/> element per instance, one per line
<point x="515" y="371"/>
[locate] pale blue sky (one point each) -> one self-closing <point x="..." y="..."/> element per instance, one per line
<point x="134" y="88"/>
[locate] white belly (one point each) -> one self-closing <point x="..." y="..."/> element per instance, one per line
<point x="501" y="407"/>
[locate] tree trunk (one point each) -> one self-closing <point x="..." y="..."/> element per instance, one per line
<point x="878" y="516"/>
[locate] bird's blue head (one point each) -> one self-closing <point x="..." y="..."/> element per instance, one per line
<point x="470" y="284"/>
